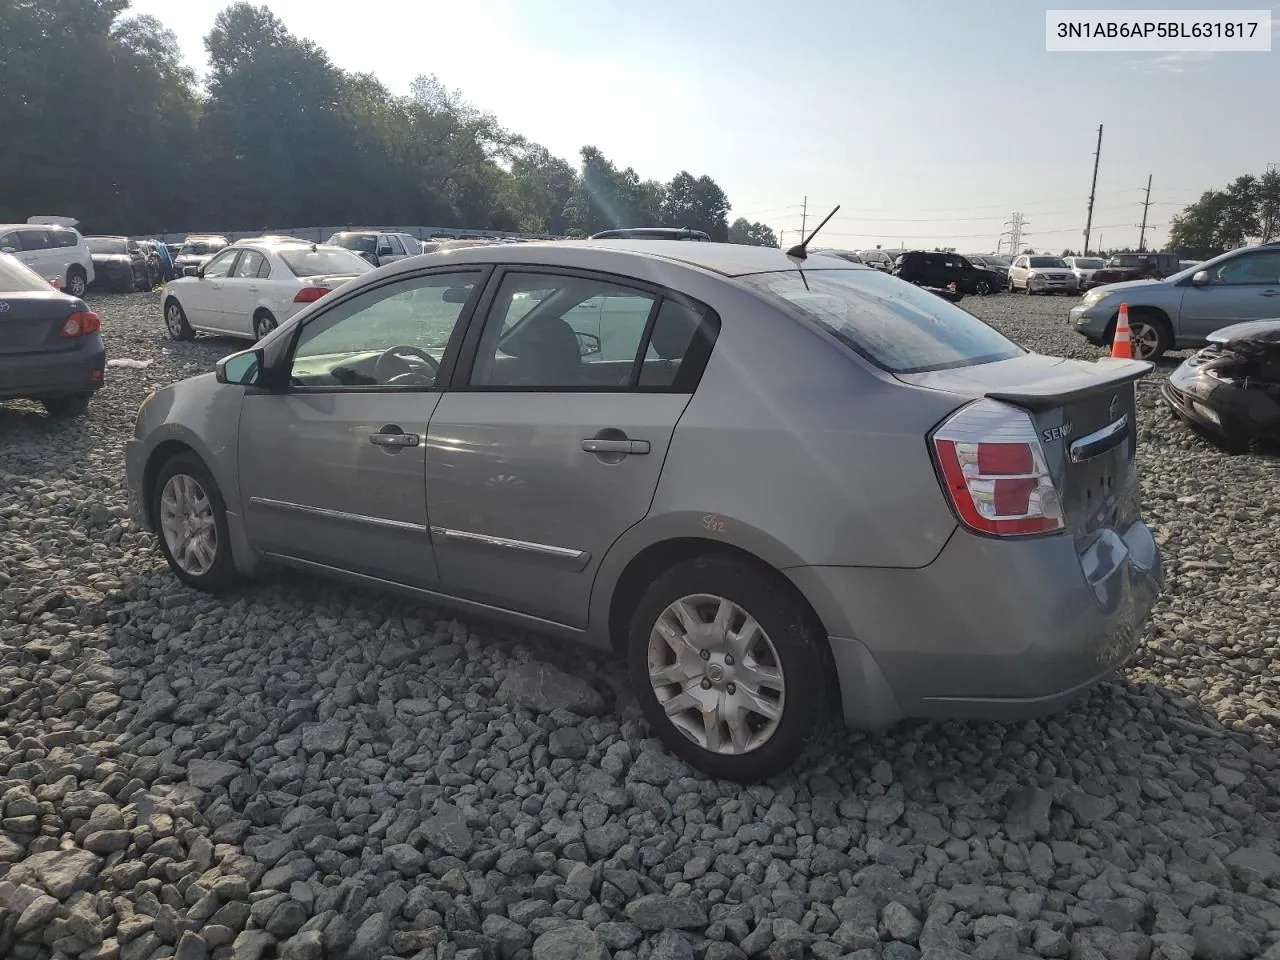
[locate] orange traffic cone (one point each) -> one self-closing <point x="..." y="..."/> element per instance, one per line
<point x="1122" y="346"/>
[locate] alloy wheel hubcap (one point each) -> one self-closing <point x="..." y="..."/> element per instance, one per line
<point x="716" y="674"/>
<point x="186" y="520"/>
<point x="1145" y="339"/>
<point x="174" y="318"/>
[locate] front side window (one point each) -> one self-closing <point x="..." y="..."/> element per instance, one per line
<point x="562" y="332"/>
<point x="895" y="325"/>
<point x="10" y="241"/>
<point x="1261" y="268"/>
<point x="220" y="266"/>
<point x="394" y="336"/>
<point x="250" y="263"/>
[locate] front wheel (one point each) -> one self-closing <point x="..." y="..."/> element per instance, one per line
<point x="983" y="288"/>
<point x="191" y="518"/>
<point x="1149" y="336"/>
<point x="729" y="668"/>
<point x="175" y="321"/>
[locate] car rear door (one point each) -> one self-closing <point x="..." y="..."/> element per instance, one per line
<point x="1246" y="287"/>
<point x="240" y="292"/>
<point x="550" y="446"/>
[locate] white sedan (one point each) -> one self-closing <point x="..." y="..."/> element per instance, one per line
<point x="253" y="286"/>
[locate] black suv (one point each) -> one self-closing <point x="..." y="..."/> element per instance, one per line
<point x="940" y="270"/>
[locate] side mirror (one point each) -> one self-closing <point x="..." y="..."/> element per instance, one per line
<point x="243" y="368"/>
<point x="1200" y="278"/>
<point x="588" y="344"/>
<point x="456" y="294"/>
<point x="190" y="271"/>
<point x="8" y="250"/>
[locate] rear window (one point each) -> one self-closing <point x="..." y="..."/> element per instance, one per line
<point x="201" y="248"/>
<point x="321" y="262"/>
<point x="360" y="242"/>
<point x="15" y="277"/>
<point x="104" y="245"/>
<point x="894" y="324"/>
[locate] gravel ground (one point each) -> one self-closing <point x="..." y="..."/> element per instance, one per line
<point x="197" y="777"/>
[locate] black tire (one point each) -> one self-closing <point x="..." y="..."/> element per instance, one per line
<point x="77" y="282"/>
<point x="983" y="288"/>
<point x="1027" y="289"/>
<point x="222" y="573"/>
<point x="175" y="321"/>
<point x="66" y="407"/>
<point x="790" y="627"/>
<point x="263" y="323"/>
<point x="1140" y="321"/>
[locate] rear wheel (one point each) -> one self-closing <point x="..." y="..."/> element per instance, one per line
<point x="263" y="323"/>
<point x="175" y="321"/>
<point x="729" y="668"/>
<point x="983" y="288"/>
<point x="77" y="283"/>
<point x="191" y="520"/>
<point x="71" y="406"/>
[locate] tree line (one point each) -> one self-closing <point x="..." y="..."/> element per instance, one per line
<point x="1247" y="209"/>
<point x="102" y="120"/>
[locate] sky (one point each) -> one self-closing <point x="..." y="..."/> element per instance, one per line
<point x="929" y="121"/>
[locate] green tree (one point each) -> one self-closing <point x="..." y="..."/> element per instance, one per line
<point x="756" y="234"/>
<point x="697" y="203"/>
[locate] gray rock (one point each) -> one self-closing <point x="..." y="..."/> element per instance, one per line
<point x="37" y="913"/>
<point x="570" y="941"/>
<point x="207" y="774"/>
<point x="371" y="936"/>
<point x="670" y="945"/>
<point x="900" y="923"/>
<point x="510" y="937"/>
<point x="567" y="742"/>
<point x="405" y="858"/>
<point x="328" y="737"/>
<point x="307" y="945"/>
<point x="656" y="911"/>
<point x="448" y="830"/>
<point x="191" y="946"/>
<point x="1254" y="865"/>
<point x="251" y="945"/>
<point x="60" y="872"/>
<point x="544" y="688"/>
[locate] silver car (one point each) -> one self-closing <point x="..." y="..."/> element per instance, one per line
<point x="1032" y="274"/>
<point x="769" y="487"/>
<point x="1181" y="310"/>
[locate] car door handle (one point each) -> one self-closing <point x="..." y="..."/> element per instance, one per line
<point x="254" y="288"/>
<point x="595" y="445"/>
<point x="393" y="436"/>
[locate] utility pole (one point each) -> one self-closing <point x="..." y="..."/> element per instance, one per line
<point x="1093" y="190"/>
<point x="1142" y="235"/>
<point x="1016" y="225"/>
<point x="804" y="213"/>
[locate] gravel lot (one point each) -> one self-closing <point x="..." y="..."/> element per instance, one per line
<point x="197" y="777"/>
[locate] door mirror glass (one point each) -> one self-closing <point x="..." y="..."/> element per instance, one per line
<point x="240" y="368"/>
<point x="588" y="344"/>
<point x="1200" y="278"/>
<point x="8" y="250"/>
<point x="456" y="294"/>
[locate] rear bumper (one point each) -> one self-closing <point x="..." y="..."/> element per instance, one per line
<point x="991" y="630"/>
<point x="36" y="376"/>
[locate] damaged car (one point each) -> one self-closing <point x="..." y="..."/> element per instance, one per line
<point x="1229" y="392"/>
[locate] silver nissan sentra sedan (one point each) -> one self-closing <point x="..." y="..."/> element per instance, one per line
<point x="772" y="483"/>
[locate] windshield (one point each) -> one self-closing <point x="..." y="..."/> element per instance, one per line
<point x="105" y="245"/>
<point x="323" y="262"/>
<point x="360" y="242"/>
<point x="894" y="324"/>
<point x="1048" y="262"/>
<point x="200" y="248"/>
<point x="15" y="276"/>
<point x="1089" y="263"/>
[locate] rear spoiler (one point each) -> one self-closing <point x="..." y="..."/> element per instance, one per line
<point x="1056" y="391"/>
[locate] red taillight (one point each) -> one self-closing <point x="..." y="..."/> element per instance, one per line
<point x="310" y="294"/>
<point x="995" y="472"/>
<point x="81" y="324"/>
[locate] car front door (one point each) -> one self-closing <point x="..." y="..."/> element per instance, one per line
<point x="552" y="445"/>
<point x="1018" y="272"/>
<point x="389" y="249"/>
<point x="240" y="293"/>
<point x="202" y="297"/>
<point x="1246" y="287"/>
<point x="331" y="467"/>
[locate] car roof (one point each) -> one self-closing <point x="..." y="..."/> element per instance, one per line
<point x="726" y="259"/>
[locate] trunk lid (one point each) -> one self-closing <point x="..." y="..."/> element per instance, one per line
<point x="1085" y="416"/>
<point x="30" y="321"/>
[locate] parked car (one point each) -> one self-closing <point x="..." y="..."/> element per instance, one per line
<point x="1181" y="310"/>
<point x="652" y="233"/>
<point x="1137" y="266"/>
<point x="1033" y="274"/>
<point x="119" y="264"/>
<point x="197" y="250"/>
<point x="51" y="346"/>
<point x="52" y="247"/>
<point x="939" y="270"/>
<point x="1085" y="268"/>
<point x="986" y="261"/>
<point x="156" y="263"/>
<point x="377" y="247"/>
<point x="948" y="558"/>
<point x="1229" y="392"/>
<point x="849" y="255"/>
<point x="878" y="259"/>
<point x="252" y="286"/>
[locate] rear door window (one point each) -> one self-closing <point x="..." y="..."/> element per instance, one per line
<point x="34" y="239"/>
<point x="896" y="326"/>
<point x="62" y="238"/>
